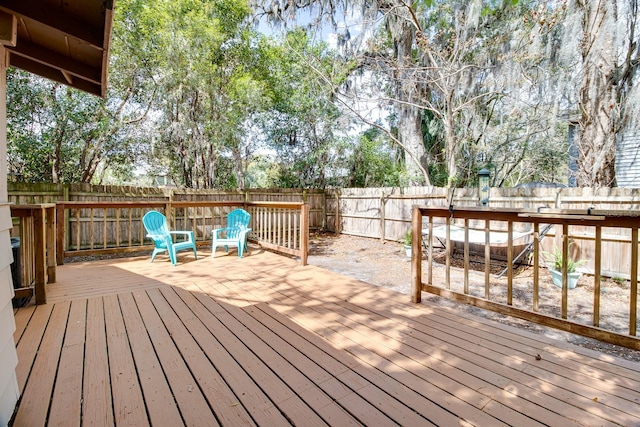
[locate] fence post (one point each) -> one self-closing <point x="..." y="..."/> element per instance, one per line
<point x="337" y="215"/>
<point x="324" y="209"/>
<point x="382" y="217"/>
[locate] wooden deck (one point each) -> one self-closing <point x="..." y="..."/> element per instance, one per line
<point x="264" y="341"/>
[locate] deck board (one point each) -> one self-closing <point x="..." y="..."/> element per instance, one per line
<point x="97" y="405"/>
<point x="128" y="401"/>
<point x="161" y="404"/>
<point x="218" y="394"/>
<point x="246" y="392"/>
<point x="189" y="397"/>
<point x="238" y="340"/>
<point x="34" y="403"/>
<point x="66" y="408"/>
<point x="263" y="341"/>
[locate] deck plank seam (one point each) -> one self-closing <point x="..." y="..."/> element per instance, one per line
<point x="532" y="391"/>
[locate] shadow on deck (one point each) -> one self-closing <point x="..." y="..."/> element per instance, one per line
<point x="264" y="341"/>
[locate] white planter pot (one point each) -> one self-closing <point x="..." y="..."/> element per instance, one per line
<point x="407" y="249"/>
<point x="572" y="278"/>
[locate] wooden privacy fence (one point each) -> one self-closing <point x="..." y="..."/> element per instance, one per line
<point x="385" y="213"/>
<point x="570" y="223"/>
<point x="94" y="228"/>
<point x="37" y="193"/>
<point x="36" y="231"/>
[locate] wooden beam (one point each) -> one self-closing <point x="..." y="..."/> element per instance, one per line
<point x="23" y="293"/>
<point x="60" y="62"/>
<point x="8" y="29"/>
<point x="56" y="20"/>
<point x="51" y="243"/>
<point x="46" y="71"/>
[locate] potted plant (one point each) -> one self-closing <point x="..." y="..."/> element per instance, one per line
<point x="408" y="239"/>
<point x="554" y="263"/>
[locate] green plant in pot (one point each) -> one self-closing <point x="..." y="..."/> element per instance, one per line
<point x="554" y="263"/>
<point x="408" y="240"/>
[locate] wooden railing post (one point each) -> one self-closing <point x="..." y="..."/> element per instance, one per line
<point x="416" y="255"/>
<point x="169" y="213"/>
<point x="61" y="225"/>
<point x="536" y="266"/>
<point x="304" y="233"/>
<point x="633" y="296"/>
<point x="565" y="274"/>
<point x="40" y="254"/>
<point x="51" y="243"/>
<point x="597" y="267"/>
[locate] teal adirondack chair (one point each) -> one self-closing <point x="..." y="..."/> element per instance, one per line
<point x="158" y="231"/>
<point x="234" y="234"/>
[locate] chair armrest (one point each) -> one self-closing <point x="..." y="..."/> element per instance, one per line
<point x="217" y="231"/>
<point x="184" y="233"/>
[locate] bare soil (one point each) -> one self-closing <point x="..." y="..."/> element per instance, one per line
<point x="386" y="264"/>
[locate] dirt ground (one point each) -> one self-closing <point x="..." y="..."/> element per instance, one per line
<point x="386" y="264"/>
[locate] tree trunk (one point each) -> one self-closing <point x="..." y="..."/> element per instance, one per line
<point x="598" y="100"/>
<point x="409" y="115"/>
<point x="410" y="132"/>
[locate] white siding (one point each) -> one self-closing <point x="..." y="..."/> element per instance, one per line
<point x="8" y="360"/>
<point x="628" y="161"/>
<point x="9" y="391"/>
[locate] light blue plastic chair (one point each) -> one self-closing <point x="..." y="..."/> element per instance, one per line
<point x="157" y="229"/>
<point x="234" y="234"/>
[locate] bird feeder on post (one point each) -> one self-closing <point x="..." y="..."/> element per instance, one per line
<point x="483" y="186"/>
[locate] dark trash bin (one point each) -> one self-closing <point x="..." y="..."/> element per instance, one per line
<point x="15" y="272"/>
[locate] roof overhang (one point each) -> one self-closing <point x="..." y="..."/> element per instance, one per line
<point x="65" y="41"/>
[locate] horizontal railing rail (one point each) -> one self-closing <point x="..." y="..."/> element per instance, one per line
<point x="101" y="228"/>
<point x="567" y="221"/>
<point x="36" y="226"/>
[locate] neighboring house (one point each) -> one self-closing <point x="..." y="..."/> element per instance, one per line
<point x="627" y="161"/>
<point x="161" y="181"/>
<point x="627" y="156"/>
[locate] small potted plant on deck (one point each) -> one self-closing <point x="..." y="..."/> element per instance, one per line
<point x="554" y="263"/>
<point x="408" y="240"/>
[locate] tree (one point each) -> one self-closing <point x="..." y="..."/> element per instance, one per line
<point x="71" y="133"/>
<point x="304" y="123"/>
<point x="211" y="81"/>
<point x="610" y="59"/>
<point x="439" y="57"/>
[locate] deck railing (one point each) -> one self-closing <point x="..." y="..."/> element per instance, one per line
<point x="99" y="228"/>
<point x="36" y="230"/>
<point x="570" y="224"/>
